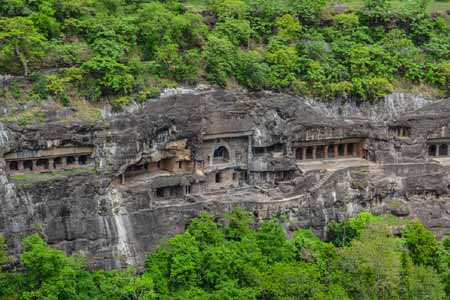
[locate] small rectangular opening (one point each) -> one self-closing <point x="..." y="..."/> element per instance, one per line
<point x="42" y="164"/>
<point x="13" y="166"/>
<point x="160" y="192"/>
<point x="28" y="165"/>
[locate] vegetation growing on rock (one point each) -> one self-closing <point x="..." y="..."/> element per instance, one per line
<point x="366" y="259"/>
<point x="128" y="49"/>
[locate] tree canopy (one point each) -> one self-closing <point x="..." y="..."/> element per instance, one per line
<point x="232" y="259"/>
<point x="112" y="49"/>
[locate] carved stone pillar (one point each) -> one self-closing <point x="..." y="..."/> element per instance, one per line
<point x="336" y="153"/>
<point x="34" y="165"/>
<point x="304" y="153"/>
<point x="437" y="150"/>
<point x="63" y="162"/>
<point x="51" y="162"/>
<point x="20" y="166"/>
<point x="314" y="153"/>
<point x="345" y="150"/>
<point x="76" y="160"/>
<point x="325" y="151"/>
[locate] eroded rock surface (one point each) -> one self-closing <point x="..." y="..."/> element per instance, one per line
<point x="112" y="190"/>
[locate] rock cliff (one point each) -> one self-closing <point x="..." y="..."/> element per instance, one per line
<point x="113" y="189"/>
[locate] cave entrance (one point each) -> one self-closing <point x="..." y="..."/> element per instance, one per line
<point x="299" y="153"/>
<point x="432" y="150"/>
<point x="330" y="153"/>
<point x="309" y="153"/>
<point x="443" y="150"/>
<point x="320" y="152"/>
<point x="221" y="155"/>
<point x="341" y="150"/>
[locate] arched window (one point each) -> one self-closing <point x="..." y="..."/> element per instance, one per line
<point x="221" y="155"/>
<point x="432" y="150"/>
<point x="443" y="150"/>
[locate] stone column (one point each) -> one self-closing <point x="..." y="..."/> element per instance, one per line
<point x="76" y="160"/>
<point x="336" y="152"/>
<point x="249" y="149"/>
<point x="314" y="152"/>
<point x="63" y="162"/>
<point x="20" y="166"/>
<point x="437" y="150"/>
<point x="34" y="163"/>
<point x="304" y="153"/>
<point x="325" y="153"/>
<point x="345" y="150"/>
<point x="359" y="151"/>
<point x="354" y="152"/>
<point x="51" y="162"/>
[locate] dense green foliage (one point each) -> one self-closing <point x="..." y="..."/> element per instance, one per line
<point x="127" y="49"/>
<point x="233" y="260"/>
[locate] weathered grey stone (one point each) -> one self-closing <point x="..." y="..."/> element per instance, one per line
<point x="114" y="223"/>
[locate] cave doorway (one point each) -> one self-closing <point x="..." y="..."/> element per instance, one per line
<point x="320" y="152"/>
<point x="432" y="150"/>
<point x="299" y="153"/>
<point x="309" y="153"/>
<point x="221" y="155"/>
<point x="443" y="150"/>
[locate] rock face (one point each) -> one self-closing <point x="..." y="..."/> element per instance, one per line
<point x="112" y="190"/>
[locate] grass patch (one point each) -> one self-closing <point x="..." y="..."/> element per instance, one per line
<point x="32" y="116"/>
<point x="84" y="112"/>
<point x="434" y="6"/>
<point x="29" y="179"/>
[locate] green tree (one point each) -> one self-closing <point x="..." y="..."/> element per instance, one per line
<point x="177" y="65"/>
<point x="50" y="274"/>
<point x="21" y="42"/>
<point x="371" y="266"/>
<point x="224" y="9"/>
<point x="424" y="283"/>
<point x="206" y="231"/>
<point x="124" y="285"/>
<point x="239" y="222"/>
<point x="422" y="244"/>
<point x="251" y="71"/>
<point x="293" y="281"/>
<point x="288" y="27"/>
<point x="271" y="239"/>
<point x="105" y="76"/>
<point x="235" y="30"/>
<point x="219" y="57"/>
<point x="176" y="266"/>
<point x="376" y="11"/>
<point x="307" y="10"/>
